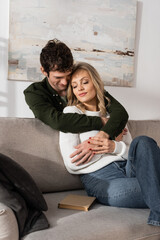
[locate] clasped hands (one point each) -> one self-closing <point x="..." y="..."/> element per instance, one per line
<point x="96" y="145"/>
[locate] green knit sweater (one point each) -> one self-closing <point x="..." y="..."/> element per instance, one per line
<point x="48" y="106"/>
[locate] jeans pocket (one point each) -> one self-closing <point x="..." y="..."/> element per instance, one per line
<point x="121" y="165"/>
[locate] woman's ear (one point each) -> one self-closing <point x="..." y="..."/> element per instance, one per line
<point x="43" y="72"/>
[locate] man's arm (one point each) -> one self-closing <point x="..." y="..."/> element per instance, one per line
<point x="49" y="111"/>
<point x="118" y="117"/>
<point x="45" y="109"/>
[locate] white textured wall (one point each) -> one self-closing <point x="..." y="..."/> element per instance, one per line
<point x="142" y="101"/>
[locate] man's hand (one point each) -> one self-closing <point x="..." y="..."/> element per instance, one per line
<point x="120" y="136"/>
<point x="83" y="154"/>
<point x="102" y="134"/>
<point x="104" y="120"/>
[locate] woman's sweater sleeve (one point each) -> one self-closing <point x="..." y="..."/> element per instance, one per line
<point x="67" y="142"/>
<point x="122" y="147"/>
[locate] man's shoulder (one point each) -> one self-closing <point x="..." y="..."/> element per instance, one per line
<point x="36" y="86"/>
<point x="106" y="93"/>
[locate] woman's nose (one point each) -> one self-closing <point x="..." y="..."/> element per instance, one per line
<point x="80" y="87"/>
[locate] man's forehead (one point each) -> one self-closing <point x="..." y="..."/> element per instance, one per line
<point x="60" y="74"/>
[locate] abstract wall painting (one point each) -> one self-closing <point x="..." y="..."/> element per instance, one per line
<point x="100" y="32"/>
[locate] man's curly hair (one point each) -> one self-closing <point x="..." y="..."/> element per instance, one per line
<point x="56" y="56"/>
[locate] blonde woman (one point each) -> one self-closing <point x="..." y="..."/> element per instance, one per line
<point x="108" y="175"/>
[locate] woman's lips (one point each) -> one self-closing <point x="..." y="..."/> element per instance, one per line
<point x="82" y="94"/>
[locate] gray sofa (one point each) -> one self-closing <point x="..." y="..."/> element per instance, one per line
<point x="34" y="145"/>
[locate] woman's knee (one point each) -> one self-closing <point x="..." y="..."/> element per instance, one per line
<point x="8" y="224"/>
<point x="140" y="147"/>
<point x="143" y="140"/>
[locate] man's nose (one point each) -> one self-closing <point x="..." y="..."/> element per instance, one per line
<point x="64" y="81"/>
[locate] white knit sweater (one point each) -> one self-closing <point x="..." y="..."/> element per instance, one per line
<point x="67" y="142"/>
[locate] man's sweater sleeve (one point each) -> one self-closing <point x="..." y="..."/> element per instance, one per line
<point x="44" y="110"/>
<point x="118" y="117"/>
<point x="49" y="113"/>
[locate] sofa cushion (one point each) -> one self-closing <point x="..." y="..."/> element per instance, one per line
<point x="99" y="223"/>
<point x="22" y="182"/>
<point x="19" y="192"/>
<point x="35" y="146"/>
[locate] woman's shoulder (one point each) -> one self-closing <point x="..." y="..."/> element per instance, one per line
<point x="72" y="109"/>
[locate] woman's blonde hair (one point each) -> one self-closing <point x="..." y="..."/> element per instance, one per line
<point x="97" y="82"/>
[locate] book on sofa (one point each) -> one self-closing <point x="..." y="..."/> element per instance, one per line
<point x="76" y="202"/>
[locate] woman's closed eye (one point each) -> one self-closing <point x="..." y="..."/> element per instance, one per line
<point x="85" y="82"/>
<point x="74" y="86"/>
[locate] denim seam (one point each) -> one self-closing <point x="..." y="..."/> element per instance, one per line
<point x="133" y="168"/>
<point x="117" y="195"/>
<point x="116" y="164"/>
<point x="122" y="194"/>
<point x="153" y="222"/>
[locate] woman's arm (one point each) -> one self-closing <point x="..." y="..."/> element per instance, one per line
<point x="67" y="142"/>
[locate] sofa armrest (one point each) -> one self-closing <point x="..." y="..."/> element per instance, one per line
<point x="8" y="224"/>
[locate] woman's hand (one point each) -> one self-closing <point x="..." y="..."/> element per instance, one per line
<point x="83" y="154"/>
<point x="98" y="144"/>
<point x="103" y="145"/>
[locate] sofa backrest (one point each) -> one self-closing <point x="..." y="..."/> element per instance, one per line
<point x="35" y="146"/>
<point x="150" y="128"/>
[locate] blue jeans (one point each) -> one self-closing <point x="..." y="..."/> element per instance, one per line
<point x="134" y="183"/>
